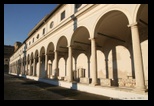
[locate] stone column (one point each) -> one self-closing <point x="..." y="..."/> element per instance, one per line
<point x="107" y="71"/>
<point x="56" y="73"/>
<point x="75" y="63"/>
<point x="138" y="63"/>
<point x="27" y="67"/>
<point x="93" y="62"/>
<point x="21" y="68"/>
<point x="34" y="67"/>
<point x="70" y="77"/>
<point x="24" y="66"/>
<point x="13" y="67"/>
<point x="46" y="64"/>
<point x="39" y="67"/>
<point x="30" y="66"/>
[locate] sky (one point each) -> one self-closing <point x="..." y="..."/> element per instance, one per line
<point x="20" y="19"/>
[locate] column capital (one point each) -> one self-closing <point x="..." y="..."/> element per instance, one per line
<point x="70" y="46"/>
<point x="133" y="24"/>
<point x="55" y="51"/>
<point x="106" y="59"/>
<point x="94" y="38"/>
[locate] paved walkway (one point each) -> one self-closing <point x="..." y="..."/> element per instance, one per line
<point x="19" y="88"/>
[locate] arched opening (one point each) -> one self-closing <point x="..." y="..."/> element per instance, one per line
<point x="18" y="66"/>
<point x="81" y="48"/>
<point x="42" y="64"/>
<point x="101" y="67"/>
<point x="62" y="67"/>
<point x="50" y="58"/>
<point x="31" y="65"/>
<point x="62" y="53"/>
<point x="23" y="65"/>
<point x="142" y="19"/>
<point x="28" y="60"/>
<point x="82" y="66"/>
<point x="111" y="31"/>
<point x="36" y="65"/>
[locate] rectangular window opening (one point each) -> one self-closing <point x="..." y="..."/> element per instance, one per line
<point x="62" y="15"/>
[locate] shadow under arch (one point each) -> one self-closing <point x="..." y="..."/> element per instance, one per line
<point x="81" y="45"/>
<point x="142" y="19"/>
<point x="110" y="31"/>
<point x="50" y="57"/>
<point x="42" y="72"/>
<point x="62" y="51"/>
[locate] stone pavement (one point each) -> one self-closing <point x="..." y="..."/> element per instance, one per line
<point x="19" y="88"/>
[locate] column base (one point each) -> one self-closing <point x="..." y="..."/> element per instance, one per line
<point x="93" y="84"/>
<point x="140" y="90"/>
<point x="69" y="81"/>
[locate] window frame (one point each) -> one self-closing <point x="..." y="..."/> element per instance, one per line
<point x="37" y="36"/>
<point x="43" y="31"/>
<point x="51" y="24"/>
<point x="62" y="15"/>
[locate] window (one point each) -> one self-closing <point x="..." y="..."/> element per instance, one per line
<point x="6" y="59"/>
<point x="43" y="31"/>
<point x="77" y="6"/>
<point x="37" y="36"/>
<point x="33" y="39"/>
<point x="51" y="24"/>
<point x="29" y="42"/>
<point x="62" y="15"/>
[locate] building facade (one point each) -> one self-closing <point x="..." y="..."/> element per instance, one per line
<point x="8" y="51"/>
<point x="92" y="44"/>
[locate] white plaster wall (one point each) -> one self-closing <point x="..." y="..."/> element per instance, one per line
<point x="62" y="67"/>
<point x="49" y="68"/>
<point x="101" y="66"/>
<point x="144" y="48"/>
<point x="82" y="62"/>
<point x="121" y="63"/>
<point x="53" y="67"/>
<point x="37" y="69"/>
<point x="124" y="62"/>
<point x="42" y="71"/>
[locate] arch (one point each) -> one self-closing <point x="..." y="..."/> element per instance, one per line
<point x="28" y="58"/>
<point x="141" y="16"/>
<point x="62" y="67"/>
<point x="80" y="34"/>
<point x="42" y="65"/>
<point x="31" y="57"/>
<point x="101" y="65"/>
<point x="82" y="63"/>
<point x="141" y="11"/>
<point x="62" y="41"/>
<point x="119" y="64"/>
<point x="113" y="23"/>
<point x="50" y="48"/>
<point x="36" y="53"/>
<point x="144" y="49"/>
<point x="50" y="54"/>
<point x="36" y="73"/>
<point x="23" y="60"/>
<point x="42" y="51"/>
<point x="105" y="13"/>
<point x="62" y="50"/>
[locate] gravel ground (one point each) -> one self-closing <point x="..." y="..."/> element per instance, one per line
<point x="18" y="88"/>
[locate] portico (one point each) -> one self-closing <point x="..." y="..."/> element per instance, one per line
<point x="107" y="46"/>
